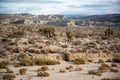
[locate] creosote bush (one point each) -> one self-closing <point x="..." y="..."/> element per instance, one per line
<point x="43" y="68"/>
<point x="104" y="67"/>
<point x="79" y="61"/>
<point x="114" y="70"/>
<point x="90" y="60"/>
<point x="113" y="65"/>
<point x="43" y="74"/>
<point x="69" y="67"/>
<point x="116" y="59"/>
<point x="95" y="72"/>
<point x="100" y="61"/>
<point x="3" y="65"/>
<point x="62" y="71"/>
<point x="48" y="31"/>
<point x="23" y="71"/>
<point x="9" y="77"/>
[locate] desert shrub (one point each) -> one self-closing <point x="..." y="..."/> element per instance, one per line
<point x="9" y="77"/>
<point x="113" y="65"/>
<point x="40" y="61"/>
<point x="79" y="61"/>
<point x="95" y="72"/>
<point x="23" y="71"/>
<point x="52" y="62"/>
<point x="69" y="35"/>
<point x="117" y="60"/>
<point x="104" y="67"/>
<point x="17" y="65"/>
<point x="62" y="71"/>
<point x="43" y="68"/>
<point x="100" y="61"/>
<point x="43" y="74"/>
<point x="3" y="65"/>
<point x="90" y="60"/>
<point x="114" y="70"/>
<point x="17" y="33"/>
<point x="108" y="79"/>
<point x="46" y="62"/>
<point x="26" y="62"/>
<point x="69" y="67"/>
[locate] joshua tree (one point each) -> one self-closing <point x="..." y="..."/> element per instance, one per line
<point x="69" y="35"/>
<point x="108" y="32"/>
<point x="48" y="31"/>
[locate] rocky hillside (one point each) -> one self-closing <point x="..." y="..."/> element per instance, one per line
<point x="36" y="20"/>
<point x="110" y="20"/>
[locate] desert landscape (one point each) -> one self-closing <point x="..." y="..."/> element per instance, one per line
<point x="51" y="53"/>
<point x="59" y="39"/>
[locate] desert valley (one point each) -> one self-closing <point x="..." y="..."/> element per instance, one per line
<point x="50" y="52"/>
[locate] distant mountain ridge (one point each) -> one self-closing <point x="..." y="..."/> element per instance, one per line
<point x="112" y="20"/>
<point x="115" y="18"/>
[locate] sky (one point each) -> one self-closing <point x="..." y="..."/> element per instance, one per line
<point x="46" y="7"/>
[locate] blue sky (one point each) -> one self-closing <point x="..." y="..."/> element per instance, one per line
<point x="87" y="7"/>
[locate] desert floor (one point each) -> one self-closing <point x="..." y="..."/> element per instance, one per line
<point x="73" y="75"/>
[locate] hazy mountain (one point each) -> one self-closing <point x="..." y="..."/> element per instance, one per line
<point x="109" y="20"/>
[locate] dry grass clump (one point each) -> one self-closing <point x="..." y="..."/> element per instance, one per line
<point x="17" y="32"/>
<point x="62" y="71"/>
<point x="100" y="61"/>
<point x="79" y="61"/>
<point x="46" y="62"/>
<point x="117" y="60"/>
<point x="43" y="68"/>
<point x="95" y="72"/>
<point x="113" y="65"/>
<point x="23" y="71"/>
<point x="8" y="77"/>
<point x="3" y="65"/>
<point x="26" y="62"/>
<point x="114" y="70"/>
<point x="43" y="74"/>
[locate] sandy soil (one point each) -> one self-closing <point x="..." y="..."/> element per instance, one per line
<point x="73" y="75"/>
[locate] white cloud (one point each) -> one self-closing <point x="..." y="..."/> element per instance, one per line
<point x="61" y="7"/>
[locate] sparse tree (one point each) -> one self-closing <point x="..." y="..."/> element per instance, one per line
<point x="109" y="32"/>
<point x="69" y="35"/>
